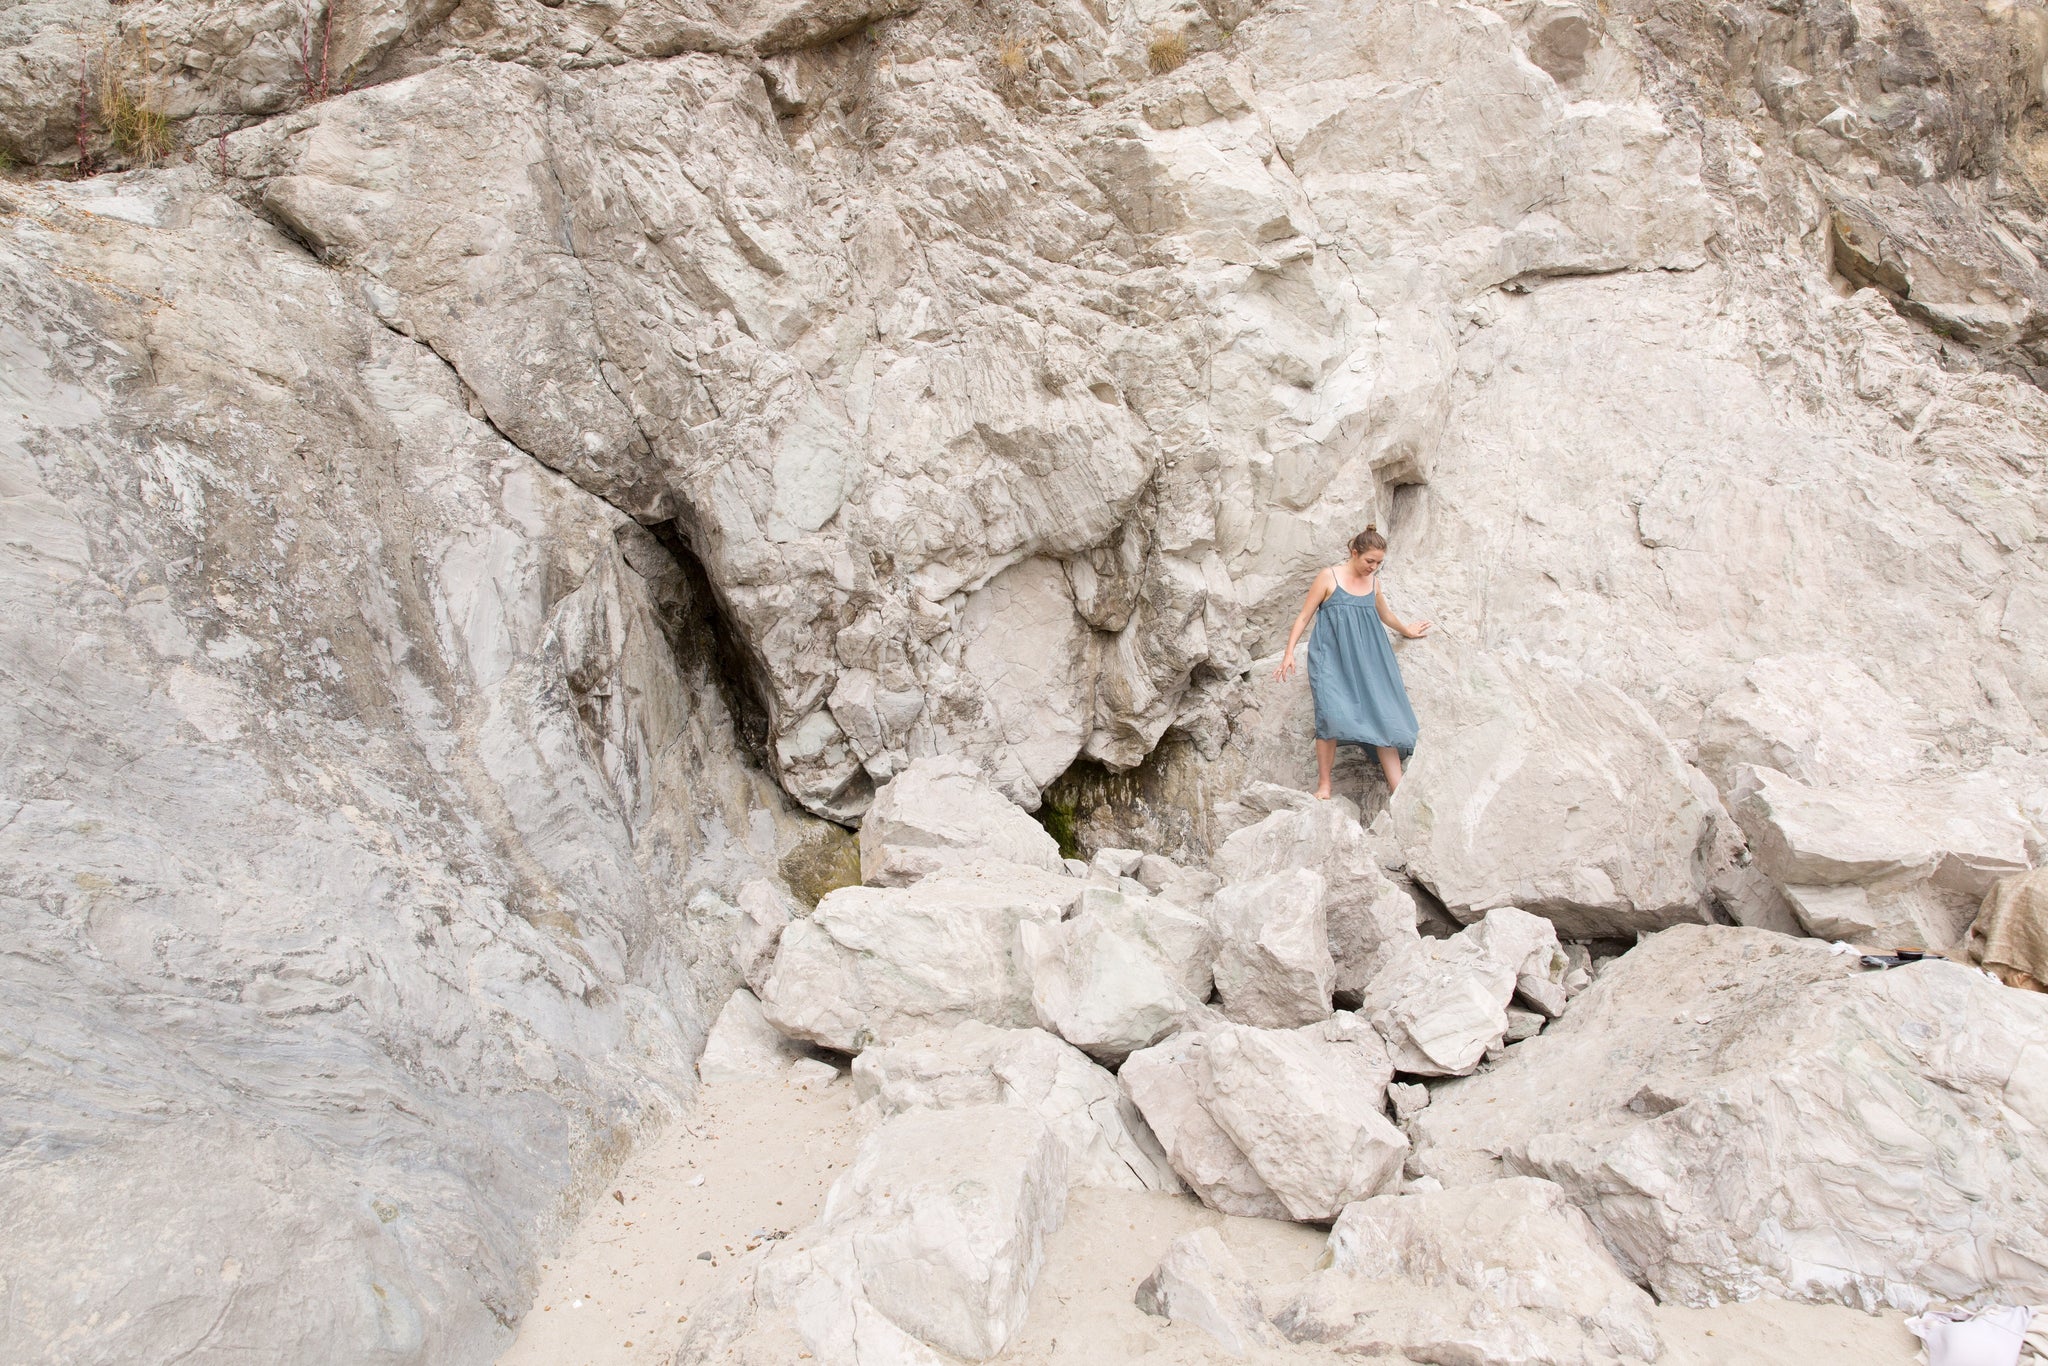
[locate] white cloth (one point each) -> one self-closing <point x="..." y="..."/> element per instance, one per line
<point x="1990" y="1337"/>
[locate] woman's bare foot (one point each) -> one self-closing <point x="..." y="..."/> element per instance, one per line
<point x="1323" y="793"/>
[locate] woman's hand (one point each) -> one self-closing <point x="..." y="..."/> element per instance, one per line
<point x="1286" y="669"/>
<point x="1418" y="630"/>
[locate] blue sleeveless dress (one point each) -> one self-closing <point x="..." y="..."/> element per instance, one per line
<point x="1353" y="676"/>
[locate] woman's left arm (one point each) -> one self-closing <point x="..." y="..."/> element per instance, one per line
<point x="1410" y="632"/>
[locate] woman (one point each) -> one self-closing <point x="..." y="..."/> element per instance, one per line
<point x="1351" y="668"/>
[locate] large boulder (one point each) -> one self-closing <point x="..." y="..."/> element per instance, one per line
<point x="1743" y="1113"/>
<point x="1882" y="863"/>
<point x="1120" y="976"/>
<point x="873" y="964"/>
<point x="939" y="813"/>
<point x="1442" y="1003"/>
<point x="1163" y="1082"/>
<point x="932" y="1239"/>
<point x="1107" y="1141"/>
<point x="1368" y="917"/>
<point x="1307" y="1109"/>
<point x="948" y="1213"/>
<point x="1505" y="1272"/>
<point x="1285" y="1123"/>
<point x="1550" y="792"/>
<point x="1273" y="963"/>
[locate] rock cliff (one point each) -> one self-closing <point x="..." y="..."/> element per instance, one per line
<point x="485" y="482"/>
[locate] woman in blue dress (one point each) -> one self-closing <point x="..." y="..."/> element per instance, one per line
<point x="1351" y="670"/>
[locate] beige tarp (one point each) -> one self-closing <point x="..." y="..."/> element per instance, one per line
<point x="2010" y="936"/>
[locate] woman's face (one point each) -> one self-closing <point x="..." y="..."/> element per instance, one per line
<point x="1369" y="563"/>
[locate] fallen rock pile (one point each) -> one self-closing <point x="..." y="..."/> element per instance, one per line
<point x="1741" y="1112"/>
<point x="1723" y="1112"/>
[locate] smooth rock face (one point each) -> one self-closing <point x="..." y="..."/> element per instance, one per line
<point x="1553" y="794"/>
<point x="368" y="842"/>
<point x="1305" y="1108"/>
<point x="1368" y="917"/>
<point x="1507" y="1271"/>
<point x="1882" y="864"/>
<point x="1200" y="1283"/>
<point x="932" y="1239"/>
<point x="941" y="813"/>
<point x="877" y="964"/>
<point x="1741" y="1113"/>
<point x="1817" y="718"/>
<point x="1107" y="1141"/>
<point x="1273" y="963"/>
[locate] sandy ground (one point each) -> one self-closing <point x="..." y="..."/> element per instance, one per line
<point x="758" y="1156"/>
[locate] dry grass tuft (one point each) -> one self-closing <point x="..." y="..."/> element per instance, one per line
<point x="127" y="98"/>
<point x="1013" y="58"/>
<point x="1166" y="52"/>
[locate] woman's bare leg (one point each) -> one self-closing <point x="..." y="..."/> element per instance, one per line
<point x="1326" y="756"/>
<point x="1390" y="764"/>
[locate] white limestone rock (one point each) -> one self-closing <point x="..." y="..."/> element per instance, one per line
<point x="1523" y="1024"/>
<point x="1107" y="1141"/>
<point x="1188" y="887"/>
<point x="1182" y="939"/>
<point x="1368" y="917"/>
<point x="947" y="1213"/>
<point x="931" y="1240"/>
<point x="1162" y="1081"/>
<point x="1408" y="1098"/>
<point x="433" y="779"/>
<point x="1200" y="1283"/>
<point x="743" y="1046"/>
<point x="1507" y="1271"/>
<point x="1117" y="863"/>
<point x="876" y="964"/>
<point x="1305" y="1107"/>
<point x="1273" y="963"/>
<point x="1883" y="863"/>
<point x="766" y="908"/>
<point x="1551" y="793"/>
<point x="1742" y="1113"/>
<point x="938" y="813"/>
<point x="1120" y="976"/>
<point x="1442" y="1003"/>
<point x="1819" y="718"/>
<point x="811" y="1074"/>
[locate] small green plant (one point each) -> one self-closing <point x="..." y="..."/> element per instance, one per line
<point x="1166" y="52"/>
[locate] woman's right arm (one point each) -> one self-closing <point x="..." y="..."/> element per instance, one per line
<point x="1317" y="591"/>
